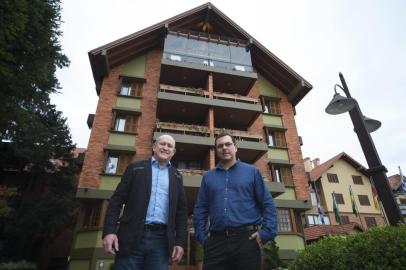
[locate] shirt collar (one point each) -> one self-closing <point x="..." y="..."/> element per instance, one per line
<point x="154" y="161"/>
<point x="219" y="165"/>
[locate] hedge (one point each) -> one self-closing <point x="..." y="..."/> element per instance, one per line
<point x="382" y="247"/>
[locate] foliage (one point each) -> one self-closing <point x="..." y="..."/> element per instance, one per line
<point x="381" y="247"/>
<point x="270" y="256"/>
<point x="35" y="142"/>
<point x="18" y="265"/>
<point x="29" y="55"/>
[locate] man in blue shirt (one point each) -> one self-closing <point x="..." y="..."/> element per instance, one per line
<point x="235" y="201"/>
<point x="153" y="224"/>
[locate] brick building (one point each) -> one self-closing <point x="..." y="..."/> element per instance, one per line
<point x="192" y="76"/>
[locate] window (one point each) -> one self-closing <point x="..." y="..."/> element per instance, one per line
<point x="345" y="219"/>
<point x="271" y="106"/>
<point x="276" y="138"/>
<point x="316" y="220"/>
<point x="125" y="123"/>
<point x="120" y="123"/>
<point x="125" y="89"/>
<point x="274" y="107"/>
<point x="370" y="221"/>
<point x="363" y="200"/>
<point x="116" y="164"/>
<point x="313" y="196"/>
<point x="332" y="178"/>
<point x="357" y="180"/>
<point x="339" y="198"/>
<point x="91" y="216"/>
<point x="283" y="174"/>
<point x="130" y="89"/>
<point x="284" y="223"/>
<point x="111" y="164"/>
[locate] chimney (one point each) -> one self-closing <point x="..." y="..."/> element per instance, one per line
<point x="308" y="164"/>
<point x="316" y="162"/>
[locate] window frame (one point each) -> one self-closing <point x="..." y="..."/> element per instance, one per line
<point x="332" y="178"/>
<point x="357" y="180"/>
<point x="364" y="200"/>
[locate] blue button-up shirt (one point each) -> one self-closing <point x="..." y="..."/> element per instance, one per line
<point x="234" y="197"/>
<point x="159" y="201"/>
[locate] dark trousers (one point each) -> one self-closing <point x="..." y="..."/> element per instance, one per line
<point x="152" y="254"/>
<point x="232" y="252"/>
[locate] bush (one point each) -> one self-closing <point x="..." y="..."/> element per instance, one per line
<point x="270" y="256"/>
<point x="381" y="247"/>
<point x="18" y="265"/>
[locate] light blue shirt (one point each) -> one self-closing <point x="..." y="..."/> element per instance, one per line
<point x="159" y="201"/>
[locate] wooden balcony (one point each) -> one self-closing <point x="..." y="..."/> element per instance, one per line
<point x="204" y="93"/>
<point x="182" y="129"/>
<point x="240" y="135"/>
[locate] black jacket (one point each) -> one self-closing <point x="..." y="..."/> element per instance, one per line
<point x="134" y="191"/>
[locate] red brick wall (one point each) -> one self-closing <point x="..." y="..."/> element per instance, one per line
<point x="258" y="127"/>
<point x="147" y="120"/>
<point x="294" y="150"/>
<point x="95" y="156"/>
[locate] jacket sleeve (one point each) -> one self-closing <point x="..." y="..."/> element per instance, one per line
<point x="116" y="202"/>
<point x="181" y="216"/>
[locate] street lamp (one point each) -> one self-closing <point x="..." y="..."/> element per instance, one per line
<point x="362" y="126"/>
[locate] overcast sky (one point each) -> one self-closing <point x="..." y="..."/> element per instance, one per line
<point x="363" y="39"/>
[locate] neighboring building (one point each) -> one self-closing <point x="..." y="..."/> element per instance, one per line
<point x="192" y="76"/>
<point x="396" y="185"/>
<point x="314" y="233"/>
<point x="337" y="175"/>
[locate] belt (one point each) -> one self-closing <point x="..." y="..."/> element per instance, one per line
<point x="154" y="227"/>
<point x="234" y="230"/>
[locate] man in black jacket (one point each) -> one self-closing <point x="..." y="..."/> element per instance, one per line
<point x="154" y="219"/>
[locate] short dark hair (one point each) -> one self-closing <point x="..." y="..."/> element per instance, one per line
<point x="221" y="135"/>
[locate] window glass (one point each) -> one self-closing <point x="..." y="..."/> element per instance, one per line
<point x="111" y="165"/>
<point x="314" y="198"/>
<point x="240" y="55"/>
<point x="125" y="89"/>
<point x="219" y="52"/>
<point x="284" y="222"/>
<point x="120" y="124"/>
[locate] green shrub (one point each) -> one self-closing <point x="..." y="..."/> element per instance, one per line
<point x="271" y="257"/>
<point x="381" y="247"/>
<point x="18" y="265"/>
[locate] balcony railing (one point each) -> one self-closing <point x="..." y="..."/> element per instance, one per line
<point x="203" y="93"/>
<point x="182" y="128"/>
<point x="235" y="97"/>
<point x="240" y="135"/>
<point x="184" y="90"/>
<point x="191" y="171"/>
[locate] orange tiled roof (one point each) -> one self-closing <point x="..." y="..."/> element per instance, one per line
<point x="319" y="231"/>
<point x="319" y="170"/>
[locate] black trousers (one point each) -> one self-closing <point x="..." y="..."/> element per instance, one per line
<point x="232" y="252"/>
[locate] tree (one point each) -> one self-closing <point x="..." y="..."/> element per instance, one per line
<point x="35" y="142"/>
<point x="30" y="52"/>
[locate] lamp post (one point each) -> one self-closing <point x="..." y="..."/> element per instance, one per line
<point x="341" y="104"/>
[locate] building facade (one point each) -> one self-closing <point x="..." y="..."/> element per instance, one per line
<point x="339" y="175"/>
<point x="192" y="76"/>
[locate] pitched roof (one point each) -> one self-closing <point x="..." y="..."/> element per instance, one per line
<point x="108" y="56"/>
<point x="317" y="172"/>
<point x="319" y="231"/>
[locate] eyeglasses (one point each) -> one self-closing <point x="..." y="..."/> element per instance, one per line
<point x="221" y="145"/>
